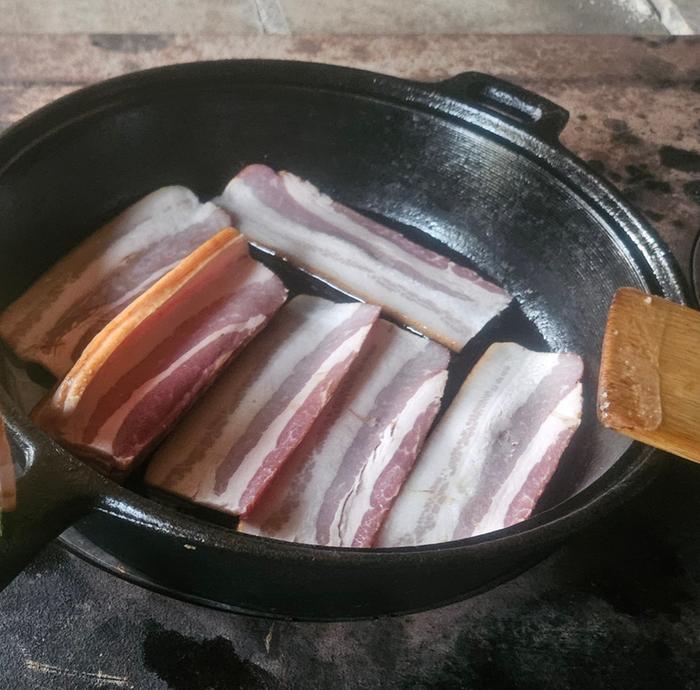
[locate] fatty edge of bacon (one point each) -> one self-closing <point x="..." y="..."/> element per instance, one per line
<point x="149" y="363"/>
<point x="340" y="482"/>
<point x="415" y="285"/>
<point x="58" y="315"/>
<point x="230" y="445"/>
<point x="488" y="460"/>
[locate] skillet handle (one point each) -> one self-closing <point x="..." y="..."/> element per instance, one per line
<point x="53" y="491"/>
<point x="535" y="113"/>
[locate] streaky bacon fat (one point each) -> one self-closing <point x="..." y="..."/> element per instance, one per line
<point x="489" y="458"/>
<point x="8" y="491"/>
<point x="340" y="482"/>
<point x="53" y="321"/>
<point x="148" y="364"/>
<point x="232" y="443"/>
<point x="414" y="285"/>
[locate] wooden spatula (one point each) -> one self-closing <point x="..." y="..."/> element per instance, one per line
<point x="649" y="384"/>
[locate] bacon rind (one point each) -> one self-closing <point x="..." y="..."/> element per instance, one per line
<point x="340" y="482"/>
<point x="8" y="490"/>
<point x="149" y="363"/>
<point x="60" y="313"/>
<point x="414" y="285"/>
<point x="230" y="445"/>
<point x="488" y="460"/>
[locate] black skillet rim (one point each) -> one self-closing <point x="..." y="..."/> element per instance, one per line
<point x="660" y="266"/>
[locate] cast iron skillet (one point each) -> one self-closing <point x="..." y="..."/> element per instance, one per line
<point x="471" y="165"/>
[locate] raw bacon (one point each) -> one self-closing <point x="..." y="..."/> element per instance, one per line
<point x="229" y="447"/>
<point x="490" y="457"/>
<point x="57" y="317"/>
<point x="414" y="285"/>
<point x="148" y="364"/>
<point x="338" y="485"/>
<point x="8" y="493"/>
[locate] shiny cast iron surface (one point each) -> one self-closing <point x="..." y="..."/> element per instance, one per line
<point x="471" y="166"/>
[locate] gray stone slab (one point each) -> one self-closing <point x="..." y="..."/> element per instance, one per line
<point x="240" y="17"/>
<point x="690" y="11"/>
<point x="474" y="16"/>
<point x="129" y="16"/>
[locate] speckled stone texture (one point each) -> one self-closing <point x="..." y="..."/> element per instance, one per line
<point x="330" y="16"/>
<point x="690" y="10"/>
<point x="617" y="607"/>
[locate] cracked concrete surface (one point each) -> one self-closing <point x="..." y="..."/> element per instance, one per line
<point x="244" y="17"/>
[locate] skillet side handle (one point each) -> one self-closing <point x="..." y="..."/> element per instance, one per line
<point x="536" y="114"/>
<point x="53" y="492"/>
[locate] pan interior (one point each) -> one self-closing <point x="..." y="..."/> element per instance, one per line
<point x="449" y="186"/>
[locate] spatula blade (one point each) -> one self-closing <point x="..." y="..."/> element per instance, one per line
<point x="649" y="384"/>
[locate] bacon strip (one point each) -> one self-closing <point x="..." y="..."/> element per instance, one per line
<point x="416" y="286"/>
<point x="149" y="363"/>
<point x="229" y="447"/>
<point x="57" y="317"/>
<point x="8" y="492"/>
<point x="339" y="484"/>
<point x="490" y="457"/>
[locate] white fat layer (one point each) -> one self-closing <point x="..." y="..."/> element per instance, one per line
<point x="566" y="415"/>
<point x="269" y="439"/>
<point x="457" y="317"/>
<point x="161" y="213"/>
<point x="79" y="400"/>
<point x="446" y="475"/>
<point x="7" y="468"/>
<point x="239" y="401"/>
<point x="356" y="503"/>
<point x="108" y="431"/>
<point x="72" y="336"/>
<point x="165" y="215"/>
<point x="180" y="224"/>
<point x="394" y="348"/>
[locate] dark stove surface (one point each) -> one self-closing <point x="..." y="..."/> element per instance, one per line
<point x="617" y="607"/>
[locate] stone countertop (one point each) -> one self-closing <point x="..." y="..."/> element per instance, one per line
<point x="618" y="606"/>
<point x="284" y="17"/>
